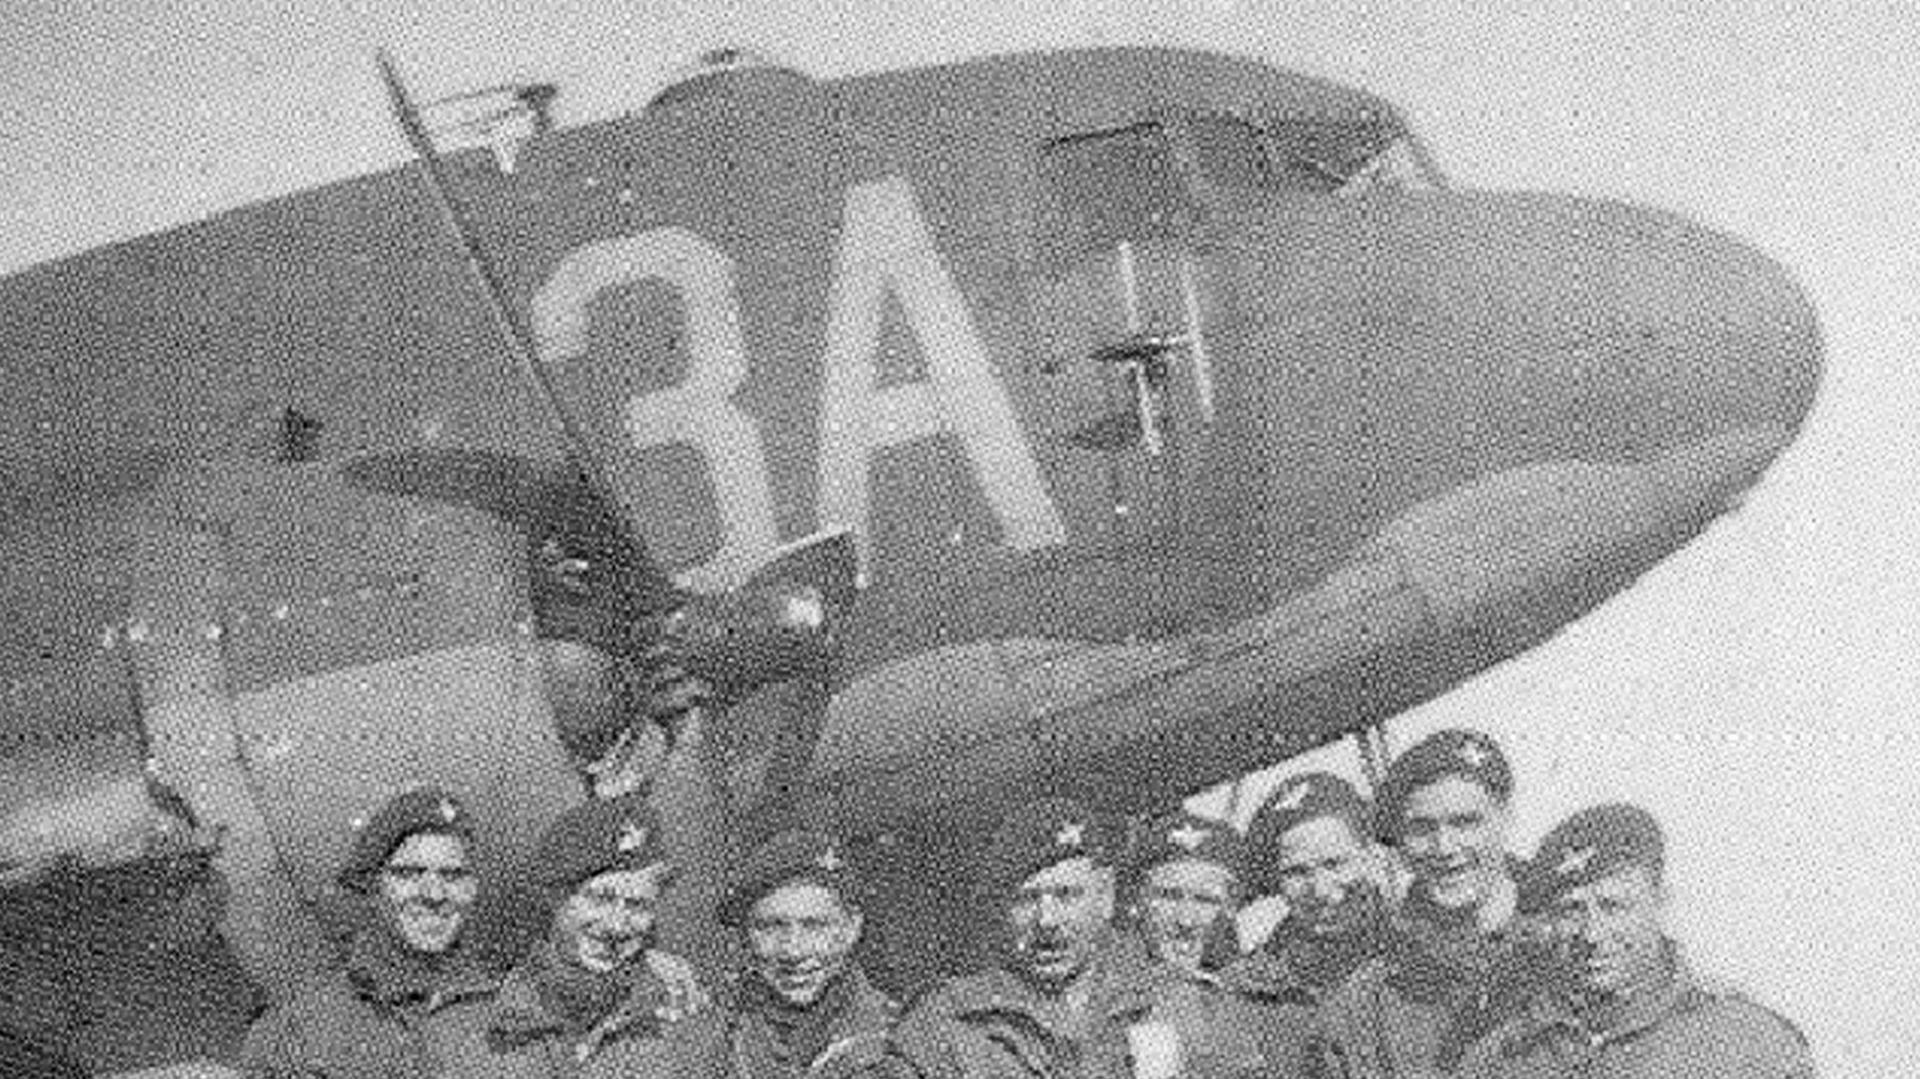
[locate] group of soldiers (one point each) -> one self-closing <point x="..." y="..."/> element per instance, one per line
<point x="1414" y="944"/>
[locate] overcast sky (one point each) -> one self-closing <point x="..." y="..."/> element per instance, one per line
<point x="1757" y="691"/>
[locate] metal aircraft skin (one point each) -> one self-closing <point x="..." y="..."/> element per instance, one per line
<point x="1381" y="435"/>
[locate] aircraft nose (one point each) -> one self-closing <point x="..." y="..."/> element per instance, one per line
<point x="1716" y="363"/>
<point x="1647" y="372"/>
<point x="1733" y="339"/>
<point x="1624" y="335"/>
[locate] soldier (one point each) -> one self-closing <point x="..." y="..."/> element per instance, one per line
<point x="1457" y="961"/>
<point x="411" y="997"/>
<point x="803" y="1007"/>
<point x="1186" y="873"/>
<point x="1623" y="1002"/>
<point x="1312" y="844"/>
<point x="1069" y="997"/>
<point x="1446" y="806"/>
<point x="586" y="1002"/>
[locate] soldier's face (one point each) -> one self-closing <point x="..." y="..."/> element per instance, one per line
<point x="1058" y="917"/>
<point x="609" y="919"/>
<point x="1185" y="904"/>
<point x="1328" y="875"/>
<point x="801" y="936"/>
<point x="427" y="888"/>
<point x="1454" y="836"/>
<point x="1611" y="934"/>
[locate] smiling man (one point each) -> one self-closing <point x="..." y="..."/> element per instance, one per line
<point x="802" y="1006"/>
<point x="1624" y="1002"/>
<point x="1311" y="844"/>
<point x="1456" y="960"/>
<point x="587" y="1003"/>
<point x="410" y="997"/>
<point x="427" y="888"/>
<point x="1447" y="803"/>
<point x="1186" y="882"/>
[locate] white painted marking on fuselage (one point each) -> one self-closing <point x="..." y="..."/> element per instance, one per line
<point x="698" y="411"/>
<point x="1197" y="338"/>
<point x="1128" y="275"/>
<point x="885" y="250"/>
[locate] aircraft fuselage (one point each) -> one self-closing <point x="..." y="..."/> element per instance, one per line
<point x="1390" y="434"/>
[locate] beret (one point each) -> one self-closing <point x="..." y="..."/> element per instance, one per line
<point x="1443" y="754"/>
<point x="1182" y="835"/>
<point x="599" y="836"/>
<point x="411" y="812"/>
<point x="1044" y="833"/>
<point x="1297" y="800"/>
<point x="1593" y="843"/>
<point x="788" y="857"/>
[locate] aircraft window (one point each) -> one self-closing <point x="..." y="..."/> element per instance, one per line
<point x="1397" y="168"/>
<point x="1231" y="152"/>
<point x="1119" y="185"/>
<point x="1337" y="157"/>
<point x="1325" y="155"/>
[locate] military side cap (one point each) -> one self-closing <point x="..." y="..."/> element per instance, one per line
<point x="1595" y="842"/>
<point x="411" y="812"/>
<point x="1044" y="833"/>
<point x="1443" y="754"/>
<point x="601" y="836"/>
<point x="786" y="858"/>
<point x="1297" y="800"/>
<point x="1181" y="836"/>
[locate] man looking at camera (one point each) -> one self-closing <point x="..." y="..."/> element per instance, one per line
<point x="1623" y="1000"/>
<point x="802" y="1007"/>
<point x="410" y="998"/>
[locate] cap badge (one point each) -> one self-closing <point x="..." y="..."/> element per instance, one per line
<point x="1071" y="834"/>
<point x="1574" y="861"/>
<point x="1294" y="797"/>
<point x="1188" y="836"/>
<point x="448" y="811"/>
<point x="632" y="838"/>
<point x="829" y="860"/>
<point x="1474" y="754"/>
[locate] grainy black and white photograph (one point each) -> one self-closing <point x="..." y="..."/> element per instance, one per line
<point x="1185" y="539"/>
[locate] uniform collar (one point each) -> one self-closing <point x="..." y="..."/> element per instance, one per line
<point x="1263" y="973"/>
<point x="1209" y="975"/>
<point x="851" y="1003"/>
<point x="1120" y="984"/>
<point x="850" y="1013"/>
<point x="869" y="1009"/>
<point x="523" y="1014"/>
<point x="1615" y="1021"/>
<point x="1459" y="963"/>
<point x="1294" y="967"/>
<point x="386" y="972"/>
<point x="1446" y="942"/>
